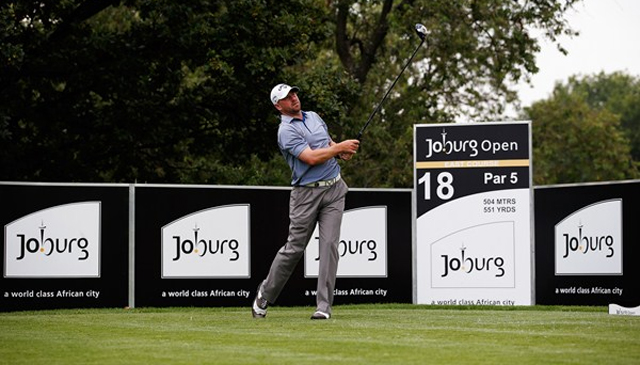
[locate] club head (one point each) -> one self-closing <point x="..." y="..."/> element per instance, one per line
<point x="421" y="30"/>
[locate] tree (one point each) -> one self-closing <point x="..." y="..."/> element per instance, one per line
<point x="165" y="91"/>
<point x="619" y="93"/>
<point x="474" y="51"/>
<point x="144" y="90"/>
<point x="574" y="142"/>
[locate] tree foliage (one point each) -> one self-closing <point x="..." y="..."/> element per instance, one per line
<point x="619" y="93"/>
<point x="144" y="90"/>
<point x="166" y="91"/>
<point x="575" y="141"/>
<point x="473" y="52"/>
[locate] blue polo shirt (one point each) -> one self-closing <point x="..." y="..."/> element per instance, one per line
<point x="294" y="136"/>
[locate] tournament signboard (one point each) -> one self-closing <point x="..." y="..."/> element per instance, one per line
<point x="473" y="211"/>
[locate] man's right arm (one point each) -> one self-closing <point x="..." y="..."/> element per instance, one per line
<point x="321" y="155"/>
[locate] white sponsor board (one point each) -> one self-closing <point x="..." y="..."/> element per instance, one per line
<point x="211" y="243"/>
<point x="57" y="242"/>
<point x="589" y="241"/>
<point x="472" y="258"/>
<point x="362" y="247"/>
<point x="461" y="260"/>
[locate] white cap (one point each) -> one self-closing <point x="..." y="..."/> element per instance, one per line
<point x="281" y="91"/>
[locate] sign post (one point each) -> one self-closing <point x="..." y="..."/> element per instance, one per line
<point x="473" y="211"/>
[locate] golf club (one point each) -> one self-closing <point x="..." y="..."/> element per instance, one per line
<point x="422" y="33"/>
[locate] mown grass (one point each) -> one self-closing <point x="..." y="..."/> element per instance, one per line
<point x="358" y="334"/>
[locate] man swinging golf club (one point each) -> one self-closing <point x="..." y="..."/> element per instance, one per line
<point x="318" y="196"/>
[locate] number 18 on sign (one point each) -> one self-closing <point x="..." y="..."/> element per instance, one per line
<point x="473" y="211"/>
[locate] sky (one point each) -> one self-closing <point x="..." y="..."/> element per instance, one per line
<point x="609" y="41"/>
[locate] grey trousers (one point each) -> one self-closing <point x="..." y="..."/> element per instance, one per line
<point x="307" y="206"/>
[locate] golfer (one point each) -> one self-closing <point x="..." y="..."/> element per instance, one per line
<point x="317" y="197"/>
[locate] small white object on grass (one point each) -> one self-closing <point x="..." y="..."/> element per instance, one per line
<point x="624" y="311"/>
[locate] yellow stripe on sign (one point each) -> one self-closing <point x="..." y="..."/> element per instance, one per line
<point x="471" y="164"/>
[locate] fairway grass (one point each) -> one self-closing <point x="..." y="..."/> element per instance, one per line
<point x="356" y="334"/>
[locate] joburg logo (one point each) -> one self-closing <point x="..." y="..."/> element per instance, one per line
<point x="584" y="244"/>
<point x="203" y="246"/>
<point x="459" y="260"/>
<point x="469" y="264"/>
<point x="362" y="247"/>
<point x="76" y="246"/>
<point x="471" y="147"/>
<point x="589" y="240"/>
<point x="211" y="243"/>
<point x="61" y="241"/>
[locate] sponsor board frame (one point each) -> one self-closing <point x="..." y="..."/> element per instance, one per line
<point x="139" y="282"/>
<point x="554" y="203"/>
<point x="108" y="288"/>
<point x="269" y="228"/>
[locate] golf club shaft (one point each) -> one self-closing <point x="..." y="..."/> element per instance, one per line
<point x="388" y="91"/>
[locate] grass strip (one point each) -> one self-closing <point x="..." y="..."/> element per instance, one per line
<point x="356" y="334"/>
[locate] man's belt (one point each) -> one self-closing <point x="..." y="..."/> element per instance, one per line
<point x="320" y="183"/>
